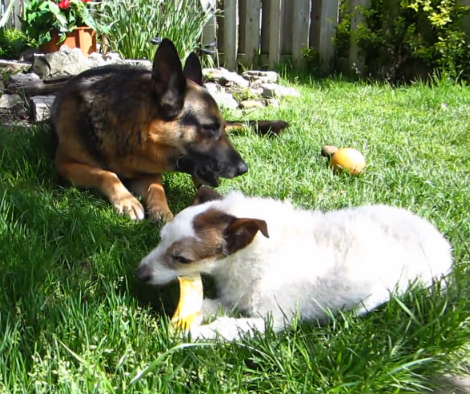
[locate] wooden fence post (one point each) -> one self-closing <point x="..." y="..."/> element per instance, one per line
<point x="14" y="20"/>
<point x="230" y="34"/>
<point x="252" y="33"/>
<point x="356" y="60"/>
<point x="328" y="21"/>
<point x="300" y="36"/>
<point x="275" y="32"/>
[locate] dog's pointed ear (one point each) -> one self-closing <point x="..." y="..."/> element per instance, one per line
<point x="169" y="82"/>
<point x="241" y="232"/>
<point x="205" y="194"/>
<point x="193" y="69"/>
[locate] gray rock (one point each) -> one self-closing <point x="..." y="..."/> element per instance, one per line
<point x="67" y="61"/>
<point x="263" y="76"/>
<point x="273" y="103"/>
<point x="225" y="100"/>
<point x="271" y="90"/>
<point x="111" y="56"/>
<point x="249" y="104"/>
<point x="223" y="76"/>
<point x="146" y="64"/>
<point x="14" y="66"/>
<point x="2" y="85"/>
<point x="21" y="79"/>
<point x="29" y="54"/>
<point x="41" y="107"/>
<point x="8" y="101"/>
<point x="212" y="87"/>
<point x="256" y="91"/>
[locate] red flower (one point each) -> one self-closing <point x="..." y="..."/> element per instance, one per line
<point x="85" y="1"/>
<point x="64" y="4"/>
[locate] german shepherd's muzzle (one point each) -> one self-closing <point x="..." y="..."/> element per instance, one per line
<point x="120" y="122"/>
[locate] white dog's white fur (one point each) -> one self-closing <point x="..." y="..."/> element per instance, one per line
<point x="349" y="259"/>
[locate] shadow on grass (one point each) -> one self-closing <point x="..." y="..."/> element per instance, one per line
<point x="61" y="237"/>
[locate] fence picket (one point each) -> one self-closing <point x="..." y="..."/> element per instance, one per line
<point x="230" y="34"/>
<point x="300" y="36"/>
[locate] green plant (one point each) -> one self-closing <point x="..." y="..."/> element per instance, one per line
<point x="41" y="17"/>
<point x="312" y="59"/>
<point x="12" y="43"/>
<point x="402" y="37"/>
<point x="135" y="22"/>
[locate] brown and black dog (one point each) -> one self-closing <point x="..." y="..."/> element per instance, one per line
<point x="119" y="122"/>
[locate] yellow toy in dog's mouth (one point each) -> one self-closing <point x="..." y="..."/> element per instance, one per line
<point x="187" y="314"/>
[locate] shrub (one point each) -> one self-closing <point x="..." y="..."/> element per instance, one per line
<point x="12" y="43"/>
<point x="135" y="22"/>
<point x="400" y="37"/>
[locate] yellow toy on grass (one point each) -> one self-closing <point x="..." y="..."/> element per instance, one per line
<point x="348" y="159"/>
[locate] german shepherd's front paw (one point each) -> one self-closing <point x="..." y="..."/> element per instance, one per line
<point x="157" y="214"/>
<point x="129" y="205"/>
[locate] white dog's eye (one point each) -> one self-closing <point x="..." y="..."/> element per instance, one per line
<point x="181" y="259"/>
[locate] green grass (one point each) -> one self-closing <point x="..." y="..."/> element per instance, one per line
<point x="74" y="320"/>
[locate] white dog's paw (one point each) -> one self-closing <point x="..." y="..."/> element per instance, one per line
<point x="228" y="329"/>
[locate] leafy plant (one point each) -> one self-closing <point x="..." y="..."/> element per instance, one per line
<point x="40" y="18"/>
<point x="12" y="43"/>
<point x="399" y="37"/>
<point x="135" y="22"/>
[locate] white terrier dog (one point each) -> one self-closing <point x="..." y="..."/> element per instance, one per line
<point x="269" y="258"/>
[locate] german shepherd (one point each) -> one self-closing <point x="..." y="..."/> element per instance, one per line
<point x="122" y="123"/>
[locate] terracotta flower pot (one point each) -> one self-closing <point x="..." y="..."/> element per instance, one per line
<point x="81" y="37"/>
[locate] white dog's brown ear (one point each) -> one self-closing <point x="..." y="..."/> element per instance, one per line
<point x="205" y="194"/>
<point x="240" y="233"/>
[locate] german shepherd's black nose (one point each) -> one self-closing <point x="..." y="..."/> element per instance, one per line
<point x="242" y="168"/>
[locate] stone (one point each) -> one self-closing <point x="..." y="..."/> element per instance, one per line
<point x="67" y="61"/>
<point x="225" y="100"/>
<point x="14" y="66"/>
<point x="21" y="79"/>
<point x="271" y="90"/>
<point x="2" y="85"/>
<point x="29" y="54"/>
<point x="212" y="88"/>
<point x="8" y="101"/>
<point x="111" y="56"/>
<point x="223" y="76"/>
<point x="273" y="103"/>
<point x="146" y="64"/>
<point x="263" y="76"/>
<point x="256" y="91"/>
<point x="41" y="107"/>
<point x="249" y="104"/>
<point x="95" y="60"/>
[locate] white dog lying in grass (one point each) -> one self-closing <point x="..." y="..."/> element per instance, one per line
<point x="269" y="258"/>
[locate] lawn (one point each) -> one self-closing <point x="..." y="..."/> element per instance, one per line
<point x="74" y="320"/>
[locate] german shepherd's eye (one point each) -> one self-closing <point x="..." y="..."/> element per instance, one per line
<point x="181" y="259"/>
<point x="210" y="131"/>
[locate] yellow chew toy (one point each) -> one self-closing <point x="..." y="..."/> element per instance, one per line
<point x="187" y="313"/>
<point x="348" y="159"/>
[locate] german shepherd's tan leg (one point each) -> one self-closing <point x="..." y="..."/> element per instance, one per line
<point x="108" y="183"/>
<point x="151" y="189"/>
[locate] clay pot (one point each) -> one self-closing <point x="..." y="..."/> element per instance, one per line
<point x="81" y="37"/>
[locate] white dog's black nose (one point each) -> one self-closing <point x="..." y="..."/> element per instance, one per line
<point x="143" y="273"/>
